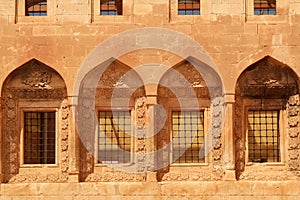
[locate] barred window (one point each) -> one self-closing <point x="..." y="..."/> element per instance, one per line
<point x="188" y="137"/>
<point x="36" y="8"/>
<point x="263" y="136"/>
<point x="111" y="7"/>
<point x="39" y="137"/>
<point x="114" y="139"/>
<point x="189" y="7"/>
<point x="265" y="7"/>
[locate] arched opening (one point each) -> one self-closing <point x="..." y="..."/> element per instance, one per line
<point x="266" y="113"/>
<point x="186" y="98"/>
<point x="33" y="134"/>
<point x="108" y="140"/>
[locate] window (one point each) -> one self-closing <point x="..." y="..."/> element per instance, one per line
<point x="263" y="136"/>
<point x="36" y="8"/>
<point x="188" y="137"/>
<point x="111" y="7"/>
<point x="114" y="139"/>
<point x="264" y="7"/>
<point x="39" y="137"/>
<point x="189" y="7"/>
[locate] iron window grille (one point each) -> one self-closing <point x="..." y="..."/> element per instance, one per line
<point x="111" y="7"/>
<point x="188" y="137"/>
<point x="36" y="8"/>
<point x="263" y="136"/>
<point x="114" y="139"/>
<point x="189" y="7"/>
<point x="265" y="7"/>
<point x="39" y="137"/>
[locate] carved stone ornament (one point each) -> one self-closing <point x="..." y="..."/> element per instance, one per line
<point x="268" y="79"/>
<point x="38" y="78"/>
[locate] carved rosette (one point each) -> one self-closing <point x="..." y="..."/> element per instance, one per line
<point x="293" y="133"/>
<point x="217" y="106"/>
<point x="140" y="111"/>
<point x="64" y="165"/>
<point x="11" y="145"/>
<point x="32" y="81"/>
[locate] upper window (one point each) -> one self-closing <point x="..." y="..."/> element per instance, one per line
<point x="114" y="139"/>
<point x="36" y="8"/>
<point x="111" y="7"/>
<point x="188" y="137"/>
<point x="264" y="7"/>
<point x="189" y="7"/>
<point x="263" y="136"/>
<point x="39" y="137"/>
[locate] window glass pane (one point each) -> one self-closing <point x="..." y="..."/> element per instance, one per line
<point x="265" y="7"/>
<point x="114" y="140"/>
<point x="189" y="7"/>
<point x="188" y="136"/>
<point x="263" y="136"/>
<point x="111" y="7"/>
<point x="36" y="8"/>
<point x="39" y="138"/>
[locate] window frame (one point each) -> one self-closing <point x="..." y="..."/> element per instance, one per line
<point x="185" y="10"/>
<point x="39" y="106"/>
<point x="204" y="17"/>
<point x="253" y="105"/>
<point x="21" y="16"/>
<point x="126" y="17"/>
<point x="96" y="149"/>
<point x="207" y="138"/>
<point x="281" y="15"/>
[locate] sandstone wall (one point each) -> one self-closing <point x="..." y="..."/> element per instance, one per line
<point x="226" y="30"/>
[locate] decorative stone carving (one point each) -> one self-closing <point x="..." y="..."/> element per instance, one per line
<point x="30" y="81"/>
<point x="293" y="130"/>
<point x="38" y="78"/>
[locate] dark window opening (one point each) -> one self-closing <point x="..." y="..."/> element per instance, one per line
<point x="263" y="136"/>
<point x="39" y="138"/>
<point x="36" y="8"/>
<point x="189" y="7"/>
<point x="265" y="7"/>
<point x="188" y="137"/>
<point x="111" y="7"/>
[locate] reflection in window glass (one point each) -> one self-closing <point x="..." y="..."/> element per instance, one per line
<point x="189" y="7"/>
<point x="111" y="7"/>
<point x="265" y="7"/>
<point x="114" y="139"/>
<point x="36" y="8"/>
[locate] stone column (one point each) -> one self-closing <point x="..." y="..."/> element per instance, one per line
<point x="151" y="105"/>
<point x="228" y="130"/>
<point x="73" y="142"/>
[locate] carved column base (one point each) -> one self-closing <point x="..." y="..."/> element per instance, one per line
<point x="230" y="175"/>
<point x="73" y="178"/>
<point x="152" y="176"/>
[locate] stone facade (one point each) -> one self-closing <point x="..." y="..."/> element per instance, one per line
<point x="151" y="61"/>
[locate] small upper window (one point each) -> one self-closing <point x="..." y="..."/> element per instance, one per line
<point x="189" y="7"/>
<point x="114" y="138"/>
<point x="36" y="8"/>
<point x="111" y="7"/>
<point x="265" y="7"/>
<point x="39" y="137"/>
<point x="263" y="136"/>
<point x="188" y="137"/>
